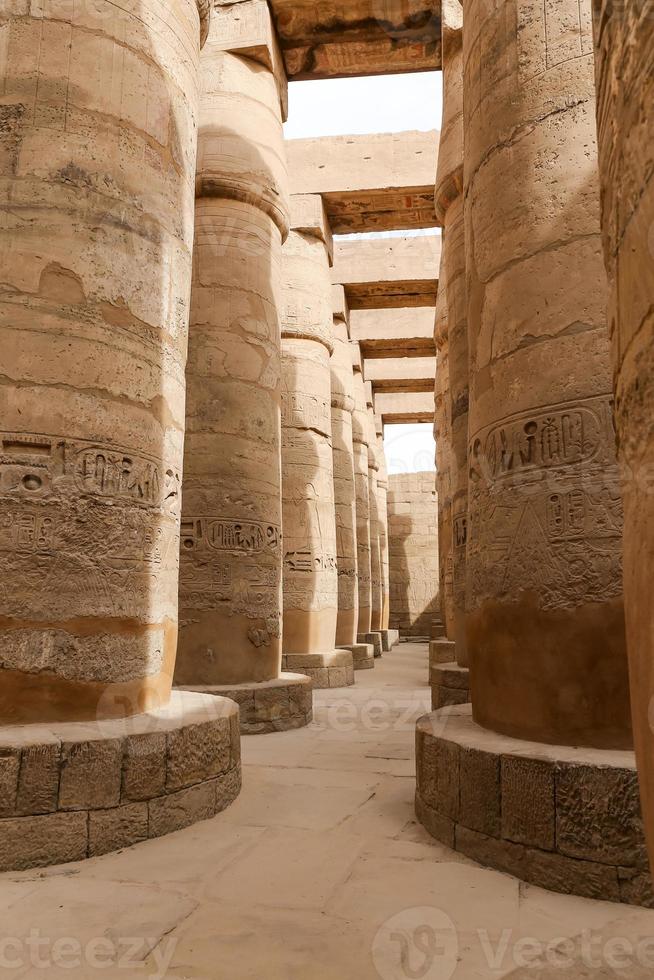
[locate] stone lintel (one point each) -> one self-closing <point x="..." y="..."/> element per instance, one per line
<point x="407" y="406"/>
<point x="308" y="216"/>
<point x="357" y="361"/>
<point x="339" y="38"/>
<point x="388" y="273"/>
<point x="340" y="308"/>
<point x="369" y="183"/>
<point x="401" y="373"/>
<point x="247" y="29"/>
<point x="395" y="332"/>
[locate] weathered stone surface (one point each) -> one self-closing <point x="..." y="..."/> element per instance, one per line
<point x="529" y="817"/>
<point x="339" y="38"/>
<point x="269" y="706"/>
<point x="196" y="753"/>
<point x="385" y="273"/>
<point x="368" y="183"/>
<point x="413" y="548"/>
<point x="401" y="373"/>
<point x="32" y="842"/>
<point x="545" y="619"/>
<point x="144" y="767"/>
<point x="360" y="443"/>
<point x="90" y="774"/>
<point x="181" y="809"/>
<point x="231" y="545"/>
<point x="396" y="408"/>
<point x="437" y="762"/>
<point x="342" y="408"/>
<point x="93" y="314"/>
<point x="443" y="437"/>
<point x="624" y="59"/>
<point x="38" y="783"/>
<point x="9" y="769"/>
<point x="480" y="801"/>
<point x="123" y="826"/>
<point x="394" y="333"/>
<point x="598" y="816"/>
<point x="441" y="652"/>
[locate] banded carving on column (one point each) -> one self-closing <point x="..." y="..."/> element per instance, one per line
<point x="382" y="490"/>
<point x="231" y="541"/>
<point x="546" y="620"/>
<point x="361" y="438"/>
<point x="96" y="240"/>
<point x="310" y="561"/>
<point x="624" y="58"/>
<point x="449" y="209"/>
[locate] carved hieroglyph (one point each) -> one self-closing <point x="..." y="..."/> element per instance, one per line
<point x="98" y="137"/>
<point x="361" y="438"/>
<point x="310" y="569"/>
<point x="546" y="623"/>
<point x="342" y="402"/>
<point x="231" y="542"/>
<point x="625" y="80"/>
<point x="413" y="543"/>
<point x="443" y="437"/>
<point x="449" y="208"/>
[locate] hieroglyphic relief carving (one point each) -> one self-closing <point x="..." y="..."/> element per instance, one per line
<point x="545" y="506"/>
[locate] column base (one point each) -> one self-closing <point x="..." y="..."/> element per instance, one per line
<point x="363" y="655"/>
<point x="279" y="705"/>
<point x="389" y="639"/>
<point x="326" y="670"/>
<point x="374" y="639"/>
<point x="450" y="684"/>
<point x="77" y="790"/>
<point x="441" y="652"/>
<point x="561" y="818"/>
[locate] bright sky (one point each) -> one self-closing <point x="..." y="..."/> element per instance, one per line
<point x="381" y="104"/>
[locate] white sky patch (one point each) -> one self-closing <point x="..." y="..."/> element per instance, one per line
<point x="375" y="104"/>
<point x="410" y="448"/>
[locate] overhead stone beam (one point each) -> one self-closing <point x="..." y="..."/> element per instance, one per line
<point x="344" y="38"/>
<point x="369" y="183"/>
<point x="388" y="374"/>
<point x="395" y="332"/>
<point x="385" y="273"/>
<point x="408" y="406"/>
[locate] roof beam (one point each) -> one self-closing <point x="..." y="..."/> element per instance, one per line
<point x="388" y="273"/>
<point x="408" y="406"/>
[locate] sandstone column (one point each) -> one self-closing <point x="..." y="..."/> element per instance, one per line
<point x="342" y="402"/>
<point x="231" y="543"/>
<point x="310" y="569"/>
<point x="382" y="491"/>
<point x="449" y="210"/>
<point x="97" y="235"/>
<point x="376" y="601"/>
<point x="443" y="437"/>
<point x="546" y="623"/>
<point x="361" y="441"/>
<point x="97" y="153"/>
<point x="624" y="56"/>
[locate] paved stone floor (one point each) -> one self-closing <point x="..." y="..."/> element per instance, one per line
<point x="318" y="872"/>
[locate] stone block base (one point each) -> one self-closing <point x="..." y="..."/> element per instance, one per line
<point x="374" y="639"/>
<point x="562" y="818"/>
<point x="389" y="639"/>
<point x="438" y="631"/>
<point x="77" y="790"/>
<point x="269" y="706"/>
<point x="326" y="670"/>
<point x="363" y="655"/>
<point x="450" y="684"/>
<point x="441" y="652"/>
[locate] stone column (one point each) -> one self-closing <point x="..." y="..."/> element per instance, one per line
<point x="449" y="210"/>
<point x="310" y="569"/>
<point x="546" y="625"/>
<point x="342" y="391"/>
<point x="98" y="149"/>
<point x="624" y="57"/>
<point x="231" y="543"/>
<point x="361" y="440"/>
<point x="373" y="494"/>
<point x="382" y="490"/>
<point x="545" y="618"/>
<point x="443" y="437"/>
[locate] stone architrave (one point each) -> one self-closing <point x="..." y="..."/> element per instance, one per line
<point x="624" y="58"/>
<point x="309" y="520"/>
<point x="231" y="541"/>
<point x="546" y="619"/>
<point x="449" y="208"/>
